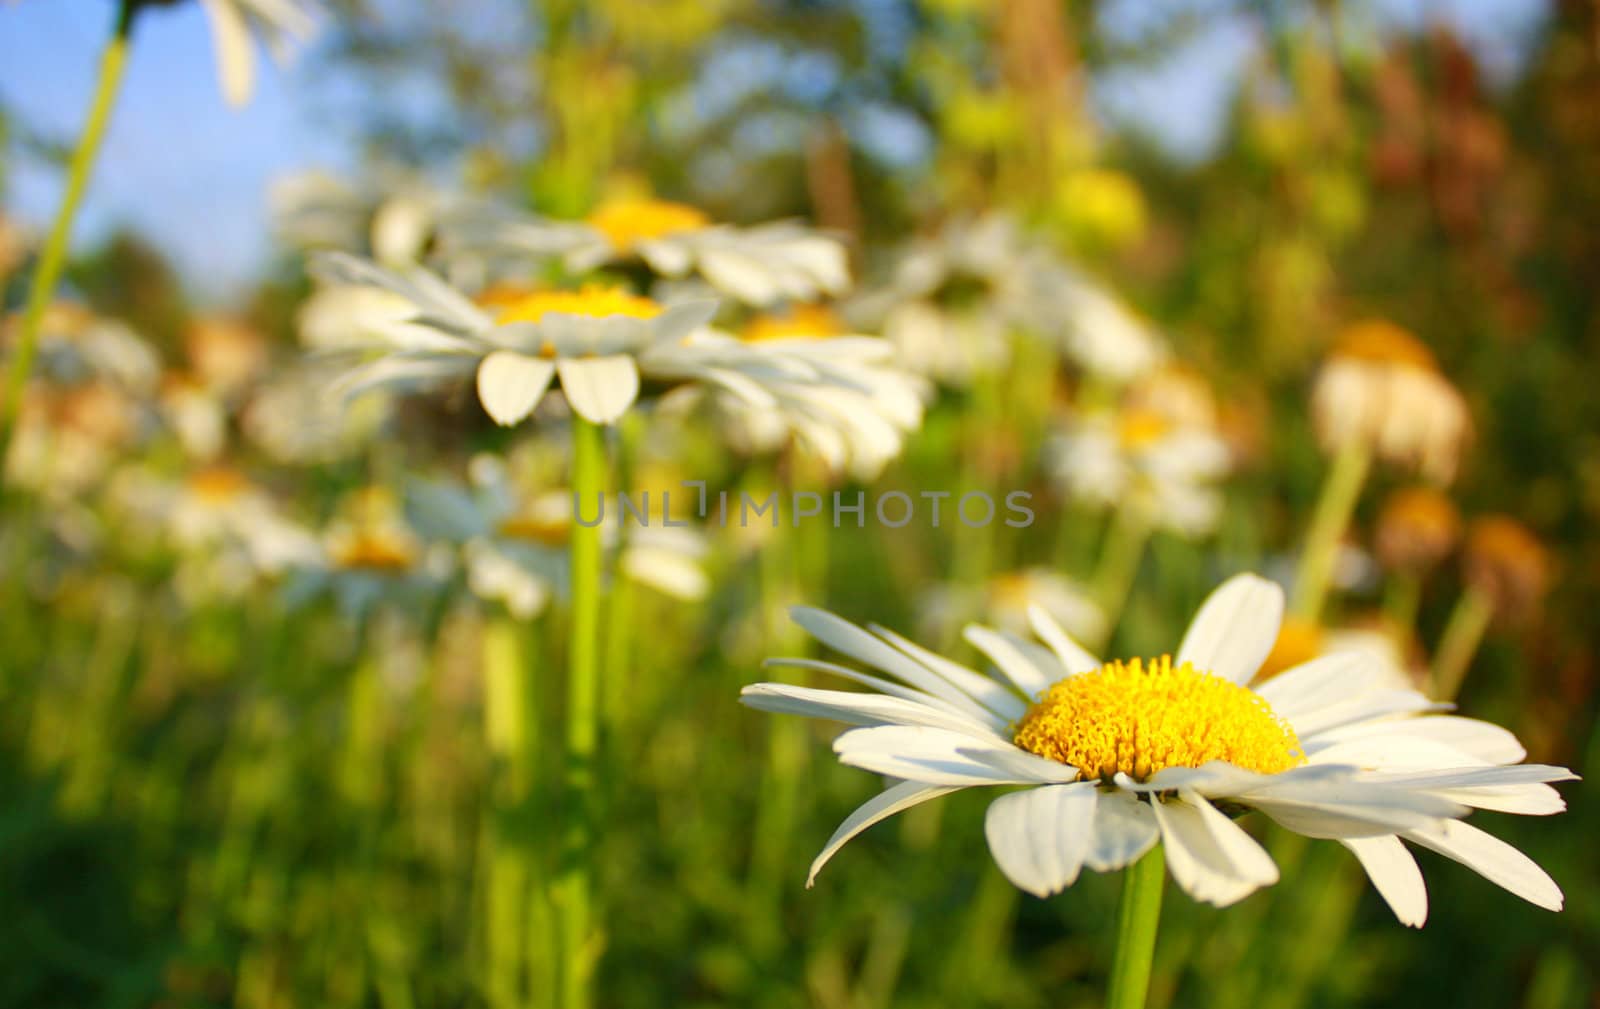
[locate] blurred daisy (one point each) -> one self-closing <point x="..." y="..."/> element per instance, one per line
<point x="596" y="340"/>
<point x="1101" y="334"/>
<point x="1006" y="599"/>
<point x="234" y="25"/>
<point x="370" y="553"/>
<point x="76" y="345"/>
<point x="1417" y="528"/>
<point x="395" y="217"/>
<point x="758" y="266"/>
<point x="837" y="395"/>
<point x="1380" y="389"/>
<point x="514" y="543"/>
<point x="1164" y="464"/>
<point x="1118" y="756"/>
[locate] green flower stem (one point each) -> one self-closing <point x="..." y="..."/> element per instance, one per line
<point x="1335" y="505"/>
<point x="1137" y="920"/>
<point x="54" y="255"/>
<point x="580" y="944"/>
<point x="1401" y="599"/>
<point x="506" y="711"/>
<point x="1120" y="557"/>
<point x="1463" y="633"/>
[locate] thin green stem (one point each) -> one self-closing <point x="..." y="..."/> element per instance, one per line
<point x="1401" y="599"/>
<point x="1337" y="502"/>
<point x="580" y="945"/>
<point x="1463" y="633"/>
<point x="47" y="273"/>
<point x="505" y="710"/>
<point x="1137" y="920"/>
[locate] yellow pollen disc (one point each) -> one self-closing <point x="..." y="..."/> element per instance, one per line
<point x="1299" y="640"/>
<point x="626" y="223"/>
<point x="374" y="552"/>
<point x="1383" y="342"/>
<point x="1139" y="717"/>
<point x="594" y="300"/>
<point x="536" y="529"/>
<point x="217" y="484"/>
<point x="801" y="322"/>
<point x="1138" y="428"/>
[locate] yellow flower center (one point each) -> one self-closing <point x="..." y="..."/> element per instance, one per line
<point x="1140" y="428"/>
<point x="533" y="528"/>
<point x="217" y="484"/>
<point x="800" y="322"/>
<point x="594" y="300"/>
<point x="626" y="223"/>
<point x="1139" y="717"/>
<point x="373" y="551"/>
<point x="1383" y="342"/>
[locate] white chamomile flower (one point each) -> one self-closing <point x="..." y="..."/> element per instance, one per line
<point x="758" y="266"/>
<point x="1101" y="334"/>
<point x="234" y="25"/>
<point x="1116" y="757"/>
<point x="1142" y="459"/>
<point x="836" y="394"/>
<point x="597" y="340"/>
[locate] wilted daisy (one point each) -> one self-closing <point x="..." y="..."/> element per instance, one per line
<point x="1381" y="390"/>
<point x="235" y="24"/>
<point x="758" y="266"/>
<point x="1417" y="528"/>
<point x="1118" y="756"/>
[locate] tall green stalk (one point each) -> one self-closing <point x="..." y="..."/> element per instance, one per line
<point x="506" y="894"/>
<point x="1337" y="502"/>
<point x="580" y="945"/>
<point x="1120" y="557"/>
<point x="1463" y="633"/>
<point x="47" y="273"/>
<point x="1137" y="920"/>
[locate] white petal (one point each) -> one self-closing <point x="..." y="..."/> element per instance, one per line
<point x="1321" y="682"/>
<point x="843" y="636"/>
<point x="1006" y="653"/>
<point x="600" y="389"/>
<point x="1394" y="874"/>
<point x="984" y="690"/>
<point x="944" y="757"/>
<point x="1124" y="829"/>
<point x="889" y="687"/>
<point x="1074" y="657"/>
<point x="510" y="385"/>
<point x="236" y="60"/>
<point x="880" y="807"/>
<point x="1039" y="837"/>
<point x="1493" y="859"/>
<point x="850" y="706"/>
<point x="1347" y="807"/>
<point x="1375" y="704"/>
<point x="1487" y="742"/>
<point x="1235" y="628"/>
<point x="739" y="275"/>
<point x="1209" y="855"/>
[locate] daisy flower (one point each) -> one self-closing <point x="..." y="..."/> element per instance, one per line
<point x="1115" y="757"/>
<point x="234" y="25"/>
<point x="1381" y="389"/>
<point x="1143" y="458"/>
<point x="758" y="266"/>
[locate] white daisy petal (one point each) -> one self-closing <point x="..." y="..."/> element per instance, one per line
<point x="880" y="807"/>
<point x="850" y="706"/>
<point x="1376" y="704"/>
<point x="1074" y="657"/>
<point x="1326" y="680"/>
<point x="843" y="636"/>
<point x="510" y="385"/>
<point x="982" y="689"/>
<point x="1235" y="628"/>
<point x="1491" y="858"/>
<point x="884" y="686"/>
<point x="236" y="62"/>
<point x="1349" y="807"/>
<point x="600" y="389"/>
<point x="1124" y="829"/>
<point x="1209" y="855"/>
<point x="1039" y="837"/>
<point x="1006" y="653"/>
<point x="942" y="757"/>
<point x="1394" y="875"/>
<point x="1486" y="742"/>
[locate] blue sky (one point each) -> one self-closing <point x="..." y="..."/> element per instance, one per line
<point x="191" y="173"/>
